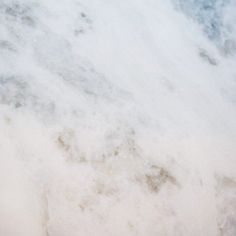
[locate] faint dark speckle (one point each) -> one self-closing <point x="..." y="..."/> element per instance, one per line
<point x="4" y="44"/>
<point x="21" y="13"/>
<point x="83" y="14"/>
<point x="206" y="57"/>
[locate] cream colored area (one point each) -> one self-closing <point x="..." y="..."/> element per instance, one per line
<point x="116" y="118"/>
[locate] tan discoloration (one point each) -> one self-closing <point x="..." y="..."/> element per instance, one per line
<point x="104" y="189"/>
<point x="7" y="120"/>
<point x="45" y="216"/>
<point x="156" y="178"/>
<point x="225" y="182"/>
<point x="86" y="204"/>
<point x="226" y="204"/>
<point x="66" y="141"/>
<point x="130" y="225"/>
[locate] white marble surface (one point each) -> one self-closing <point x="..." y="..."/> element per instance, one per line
<point x="116" y="118"/>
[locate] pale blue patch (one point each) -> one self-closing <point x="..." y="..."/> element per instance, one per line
<point x="208" y="13"/>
